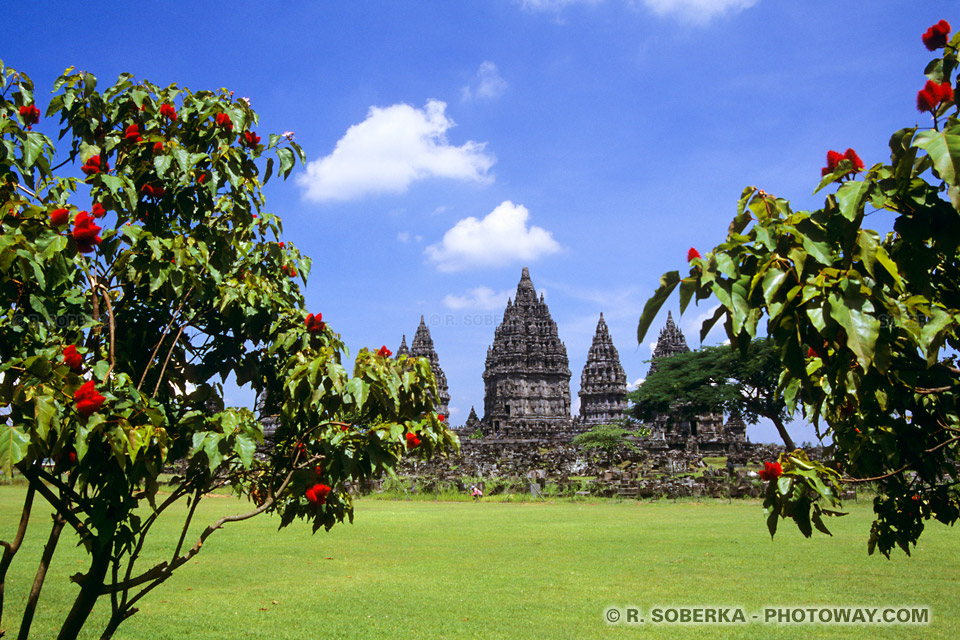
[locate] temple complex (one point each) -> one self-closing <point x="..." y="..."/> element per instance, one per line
<point x="603" y="384"/>
<point x="527" y="373"/>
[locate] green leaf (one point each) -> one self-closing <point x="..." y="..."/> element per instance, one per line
<point x="944" y="149"/>
<point x="861" y="328"/>
<point x="668" y="282"/>
<point x="245" y="447"/>
<point x="46" y="414"/>
<point x="850" y="198"/>
<point x="13" y="448"/>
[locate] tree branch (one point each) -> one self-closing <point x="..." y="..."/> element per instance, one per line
<point x="153" y="355"/>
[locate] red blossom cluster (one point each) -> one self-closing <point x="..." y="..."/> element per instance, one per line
<point x="936" y="36"/>
<point x="224" y="122"/>
<point x="30" y="115"/>
<point x="85" y="232"/>
<point x="315" y="323"/>
<point x="290" y="271"/>
<point x="249" y="139"/>
<point x="71" y="358"/>
<point x="132" y="133"/>
<point x="933" y="94"/>
<point x="384" y="352"/>
<point x="834" y="158"/>
<point x="441" y="417"/>
<point x="93" y="165"/>
<point x="87" y="399"/>
<point x="693" y="254"/>
<point x="166" y="109"/>
<point x="413" y="441"/>
<point x="154" y="191"/>
<point x="771" y="471"/>
<point x="98" y="211"/>
<point x="59" y="217"/>
<point x="157" y="148"/>
<point x="317" y="494"/>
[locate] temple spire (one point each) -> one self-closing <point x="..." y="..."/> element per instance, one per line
<point x="603" y="383"/>
<point x="422" y="347"/>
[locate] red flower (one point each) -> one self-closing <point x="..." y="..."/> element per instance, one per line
<point x="85" y="232"/>
<point x="932" y="94"/>
<point x="936" y="36"/>
<point x="318" y="493"/>
<point x="692" y="254"/>
<point x="314" y="323"/>
<point x="854" y="159"/>
<point x="290" y="271"/>
<point x="154" y="191"/>
<point x="249" y="139"/>
<point x="132" y="133"/>
<point x="412" y="441"/>
<point x="202" y="178"/>
<point x="834" y="158"/>
<point x="282" y="245"/>
<point x="94" y="165"/>
<point x="72" y="457"/>
<point x="157" y="147"/>
<point x="30" y="115"/>
<point x="223" y="121"/>
<point x="441" y="417"/>
<point x="87" y="399"/>
<point x="811" y="352"/>
<point x="384" y="352"/>
<point x="59" y="217"/>
<point x="98" y="211"/>
<point x="166" y="109"/>
<point x="771" y="471"/>
<point x="71" y="358"/>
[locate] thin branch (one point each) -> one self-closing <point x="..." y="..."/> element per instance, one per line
<point x="167" y="360"/>
<point x="163" y="570"/>
<point x="25" y="190"/>
<point x="163" y="337"/>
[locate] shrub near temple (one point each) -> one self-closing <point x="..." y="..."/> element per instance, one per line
<point x="140" y="309"/>
<point x="866" y="326"/>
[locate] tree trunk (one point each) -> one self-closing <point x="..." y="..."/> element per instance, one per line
<point x="90" y="589"/>
<point x="48" y="549"/>
<point x="10" y="548"/>
<point x="787" y="440"/>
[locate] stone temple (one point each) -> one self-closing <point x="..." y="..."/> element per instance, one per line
<point x="603" y="384"/>
<point x="422" y="347"/>
<point x="527" y="374"/>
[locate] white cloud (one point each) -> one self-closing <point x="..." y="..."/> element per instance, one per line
<point x="635" y="384"/>
<point x="486" y="85"/>
<point x="478" y="298"/>
<point x="699" y="11"/>
<point x="394" y="147"/>
<point x="500" y="238"/>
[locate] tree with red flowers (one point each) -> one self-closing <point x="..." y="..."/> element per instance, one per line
<point x="131" y="286"/>
<point x="866" y="325"/>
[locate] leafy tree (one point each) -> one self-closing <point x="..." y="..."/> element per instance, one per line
<point x="866" y="324"/>
<point x="118" y="320"/>
<point x="697" y="382"/>
<point x="610" y="437"/>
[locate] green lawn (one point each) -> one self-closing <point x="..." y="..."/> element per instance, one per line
<point x="530" y="570"/>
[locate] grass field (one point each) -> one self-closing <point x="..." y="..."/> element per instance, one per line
<point x="531" y="570"/>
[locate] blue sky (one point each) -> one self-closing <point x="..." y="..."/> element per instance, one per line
<point x="451" y="143"/>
